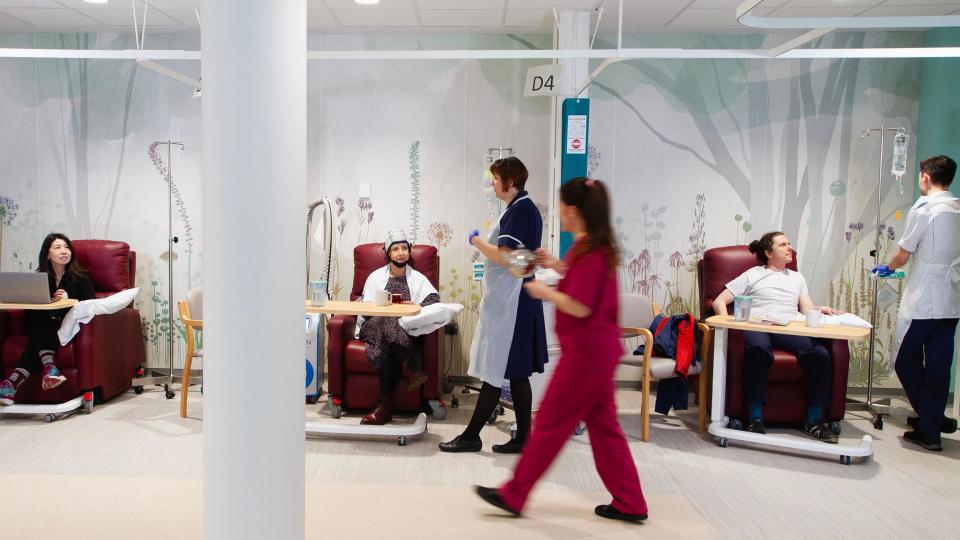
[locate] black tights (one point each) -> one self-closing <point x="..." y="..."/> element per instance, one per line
<point x="489" y="399"/>
<point x="391" y="369"/>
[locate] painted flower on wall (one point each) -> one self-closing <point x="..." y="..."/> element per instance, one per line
<point x="439" y="234"/>
<point x="8" y="212"/>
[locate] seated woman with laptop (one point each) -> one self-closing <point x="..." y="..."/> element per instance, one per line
<point x="66" y="280"/>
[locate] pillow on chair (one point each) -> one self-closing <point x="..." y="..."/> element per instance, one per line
<point x="430" y="318"/>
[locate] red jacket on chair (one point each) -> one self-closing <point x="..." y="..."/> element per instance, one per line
<point x="105" y="353"/>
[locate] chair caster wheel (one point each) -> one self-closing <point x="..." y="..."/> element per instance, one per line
<point x="580" y="428"/>
<point x="402" y="440"/>
<point x="878" y="423"/>
<point x="49" y="418"/>
<point x="170" y="394"/>
<point x="138" y="390"/>
<point x="437" y="410"/>
<point x="500" y="410"/>
<point x="736" y="424"/>
<point x="493" y="417"/>
<point x="835" y="428"/>
<point x="455" y="403"/>
<point x="722" y="442"/>
<point x="845" y="460"/>
<point x="447" y="386"/>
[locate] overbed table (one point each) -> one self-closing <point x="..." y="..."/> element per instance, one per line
<point x="718" y="421"/>
<point x="400" y="431"/>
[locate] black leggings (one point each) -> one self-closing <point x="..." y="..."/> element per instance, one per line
<point x="391" y="370"/>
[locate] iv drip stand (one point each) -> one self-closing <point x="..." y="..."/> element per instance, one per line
<point x="166" y="376"/>
<point x="876" y="410"/>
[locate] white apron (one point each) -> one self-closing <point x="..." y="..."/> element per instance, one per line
<point x="490" y="349"/>
<point x="933" y="289"/>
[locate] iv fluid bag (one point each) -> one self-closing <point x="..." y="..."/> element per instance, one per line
<point x="899" y="165"/>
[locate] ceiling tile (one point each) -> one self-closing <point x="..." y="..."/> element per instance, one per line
<point x="562" y="4"/>
<point x="165" y="4"/>
<point x="384" y="5"/>
<point x="29" y="4"/>
<point x="460" y="4"/>
<point x="734" y="3"/>
<point x="377" y="18"/>
<point x="51" y="17"/>
<point x="829" y="4"/>
<point x="321" y="19"/>
<point x="121" y="17"/>
<point x="531" y="18"/>
<point x="186" y="17"/>
<point x="706" y="17"/>
<point x="463" y="17"/>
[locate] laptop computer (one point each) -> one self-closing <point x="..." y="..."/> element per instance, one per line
<point x="24" y="288"/>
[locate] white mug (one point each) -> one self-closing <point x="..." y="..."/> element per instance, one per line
<point x="381" y="298"/>
<point x="813" y="318"/>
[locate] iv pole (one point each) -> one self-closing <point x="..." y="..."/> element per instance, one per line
<point x="168" y="379"/>
<point x="875" y="253"/>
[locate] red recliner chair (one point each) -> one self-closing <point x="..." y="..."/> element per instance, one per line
<point x="351" y="381"/>
<point x="785" y="391"/>
<point x="105" y="353"/>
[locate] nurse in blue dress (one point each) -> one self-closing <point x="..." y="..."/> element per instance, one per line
<point x="509" y="343"/>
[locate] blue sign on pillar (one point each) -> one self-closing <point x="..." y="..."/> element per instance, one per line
<point x="573" y="161"/>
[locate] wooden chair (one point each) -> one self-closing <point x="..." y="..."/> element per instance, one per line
<point x="636" y="314"/>
<point x="191" y="315"/>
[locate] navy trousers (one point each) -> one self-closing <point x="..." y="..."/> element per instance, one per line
<point x="923" y="366"/>
<point x="814" y="360"/>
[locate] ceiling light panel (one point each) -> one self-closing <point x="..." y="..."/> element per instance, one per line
<point x="462" y="4"/>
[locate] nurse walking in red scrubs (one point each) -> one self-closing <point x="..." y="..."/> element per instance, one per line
<point x="582" y="387"/>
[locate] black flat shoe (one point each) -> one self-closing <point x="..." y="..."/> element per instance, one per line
<point x="609" y="512"/>
<point x="459" y="444"/>
<point x="512" y="447"/>
<point x="491" y="496"/>
<point x="930" y="443"/>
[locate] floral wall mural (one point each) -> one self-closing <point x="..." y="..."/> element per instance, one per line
<point x="698" y="153"/>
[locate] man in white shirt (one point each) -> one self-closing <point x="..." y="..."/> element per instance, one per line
<point x="930" y="305"/>
<point x="777" y="292"/>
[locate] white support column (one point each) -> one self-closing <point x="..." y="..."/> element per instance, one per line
<point x="254" y="193"/>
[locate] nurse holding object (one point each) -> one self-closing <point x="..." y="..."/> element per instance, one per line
<point x="582" y="387"/>
<point x="930" y="306"/>
<point x="509" y="342"/>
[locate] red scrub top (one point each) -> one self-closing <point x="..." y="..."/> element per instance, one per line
<point x="590" y="282"/>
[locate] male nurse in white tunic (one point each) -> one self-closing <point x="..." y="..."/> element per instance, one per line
<point x="930" y="305"/>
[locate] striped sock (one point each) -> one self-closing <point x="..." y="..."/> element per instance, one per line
<point x="46" y="357"/>
<point x="18" y="377"/>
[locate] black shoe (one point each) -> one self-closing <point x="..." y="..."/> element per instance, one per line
<point x="930" y="443"/>
<point x="756" y="426"/>
<point x="512" y="447"/>
<point x="949" y="425"/>
<point x="491" y="496"/>
<point x="459" y="444"/>
<point x="821" y="432"/>
<point x="609" y="512"/>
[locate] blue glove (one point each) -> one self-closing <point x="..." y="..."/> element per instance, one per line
<point x="881" y="270"/>
<point x="473" y="234"/>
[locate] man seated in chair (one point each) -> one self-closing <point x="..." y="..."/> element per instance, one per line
<point x="776" y="292"/>
<point x="391" y="351"/>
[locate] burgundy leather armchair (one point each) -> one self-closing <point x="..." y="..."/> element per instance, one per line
<point x="351" y="380"/>
<point x="105" y="353"/>
<point x="785" y="379"/>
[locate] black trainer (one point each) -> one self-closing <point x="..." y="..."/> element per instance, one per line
<point x="930" y="443"/>
<point x="756" y="426"/>
<point x="491" y="496"/>
<point x="459" y="444"/>
<point x="820" y="431"/>
<point x="949" y="425"/>
<point x="609" y="512"/>
<point x="512" y="447"/>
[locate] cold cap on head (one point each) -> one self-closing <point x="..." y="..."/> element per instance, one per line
<point x="394" y="236"/>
